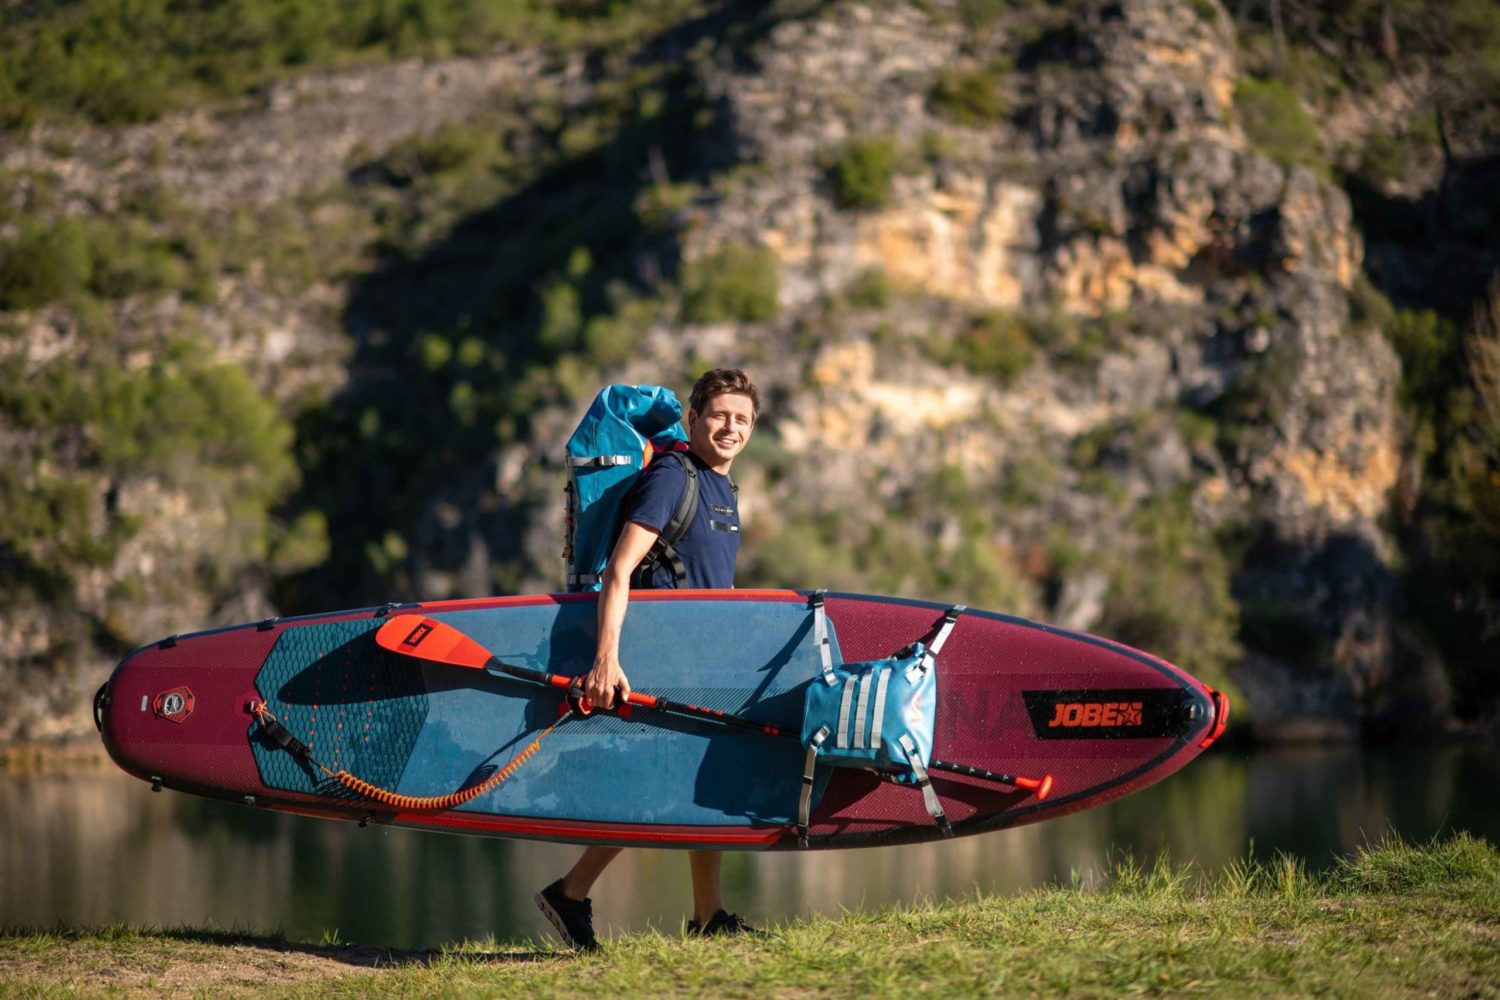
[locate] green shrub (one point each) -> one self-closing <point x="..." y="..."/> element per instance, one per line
<point x="43" y="263"/>
<point x="1170" y="596"/>
<point x="734" y="283"/>
<point x="452" y="148"/>
<point x="1368" y="306"/>
<point x="936" y="148"/>
<point x="994" y="344"/>
<point x="1383" y="159"/>
<point x="660" y="205"/>
<point x="862" y="171"/>
<point x="121" y="61"/>
<point x="1428" y="346"/>
<point x="1276" y="123"/>
<point x="183" y="418"/>
<point x="972" y="97"/>
<point x="48" y="519"/>
<point x="871" y="289"/>
<point x="980" y="14"/>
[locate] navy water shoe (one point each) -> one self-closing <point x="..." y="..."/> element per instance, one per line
<point x="574" y="919"/>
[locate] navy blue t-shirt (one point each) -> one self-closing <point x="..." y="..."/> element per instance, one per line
<point x="712" y="541"/>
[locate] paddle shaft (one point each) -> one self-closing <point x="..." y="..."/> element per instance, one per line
<point x="736" y="721"/>
<point x="438" y="642"/>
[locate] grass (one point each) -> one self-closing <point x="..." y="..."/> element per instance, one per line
<point x="1395" y="919"/>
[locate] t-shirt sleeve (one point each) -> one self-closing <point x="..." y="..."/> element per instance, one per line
<point x="656" y="499"/>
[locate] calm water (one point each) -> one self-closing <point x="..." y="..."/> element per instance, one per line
<point x="97" y="846"/>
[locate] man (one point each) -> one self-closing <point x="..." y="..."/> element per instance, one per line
<point x="721" y="417"/>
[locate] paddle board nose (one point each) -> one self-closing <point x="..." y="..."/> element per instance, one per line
<point x="1220" y="720"/>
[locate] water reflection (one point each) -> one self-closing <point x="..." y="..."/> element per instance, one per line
<point x="96" y="846"/>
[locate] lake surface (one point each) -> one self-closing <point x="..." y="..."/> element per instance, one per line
<point x="97" y="846"/>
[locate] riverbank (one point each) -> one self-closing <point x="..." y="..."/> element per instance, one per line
<point x="63" y="756"/>
<point x="1392" y="920"/>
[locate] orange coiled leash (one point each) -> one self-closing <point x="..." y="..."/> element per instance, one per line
<point x="410" y="803"/>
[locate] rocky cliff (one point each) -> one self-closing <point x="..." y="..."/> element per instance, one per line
<point x="1038" y="324"/>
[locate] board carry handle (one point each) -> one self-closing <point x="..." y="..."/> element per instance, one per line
<point x="438" y="642"/>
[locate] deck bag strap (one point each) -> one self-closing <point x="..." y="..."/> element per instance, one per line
<point x="868" y="708"/>
<point x="804" y="804"/>
<point x="820" y="637"/>
<point x="624" y="426"/>
<point x="929" y="797"/>
<point x="944" y="630"/>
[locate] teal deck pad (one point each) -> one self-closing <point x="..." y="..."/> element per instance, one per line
<point x="355" y="705"/>
<point x="423" y="729"/>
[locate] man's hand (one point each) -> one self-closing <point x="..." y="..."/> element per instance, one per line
<point x="606" y="684"/>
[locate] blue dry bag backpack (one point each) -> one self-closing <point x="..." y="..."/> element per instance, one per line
<point x="877" y="715"/>
<point x="625" y="427"/>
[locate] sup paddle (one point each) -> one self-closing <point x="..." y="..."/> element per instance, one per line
<point x="438" y="642"/>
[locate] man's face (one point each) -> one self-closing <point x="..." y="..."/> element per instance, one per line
<point x="720" y="432"/>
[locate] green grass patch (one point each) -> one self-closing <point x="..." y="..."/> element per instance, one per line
<point x="1397" y="919"/>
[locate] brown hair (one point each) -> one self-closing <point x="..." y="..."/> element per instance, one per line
<point x="722" y="380"/>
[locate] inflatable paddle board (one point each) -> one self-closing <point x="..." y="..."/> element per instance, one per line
<point x="478" y="733"/>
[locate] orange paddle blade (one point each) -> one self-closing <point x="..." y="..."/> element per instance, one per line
<point x="429" y="639"/>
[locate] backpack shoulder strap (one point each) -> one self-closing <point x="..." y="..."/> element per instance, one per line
<point x="687" y="504"/>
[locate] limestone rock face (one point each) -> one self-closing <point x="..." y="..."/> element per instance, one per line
<point x="1107" y="333"/>
<point x="1119" y="185"/>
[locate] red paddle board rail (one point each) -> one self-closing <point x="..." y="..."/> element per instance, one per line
<point x="1221" y="718"/>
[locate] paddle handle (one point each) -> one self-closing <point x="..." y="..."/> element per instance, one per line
<point x="1041" y="786"/>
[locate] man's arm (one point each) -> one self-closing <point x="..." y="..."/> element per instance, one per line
<point x="607" y="677"/>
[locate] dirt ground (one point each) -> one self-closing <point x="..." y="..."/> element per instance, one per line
<point x="171" y="965"/>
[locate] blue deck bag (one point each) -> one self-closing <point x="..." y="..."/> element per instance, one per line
<point x="866" y="709"/>
<point x="878" y="714"/>
<point x="624" y="427"/>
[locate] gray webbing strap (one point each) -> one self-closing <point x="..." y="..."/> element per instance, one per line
<point x="841" y="737"/>
<point x="600" y="461"/>
<point x="862" y="713"/>
<point x="949" y="620"/>
<point x="586" y="579"/>
<point x="804" y="804"/>
<point x="820" y="637"/>
<point x="945" y="629"/>
<point x="879" y="706"/>
<point x="929" y="797"/>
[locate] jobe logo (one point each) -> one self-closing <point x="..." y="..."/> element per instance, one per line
<point x="1106" y="713"/>
<point x="1090" y="714"/>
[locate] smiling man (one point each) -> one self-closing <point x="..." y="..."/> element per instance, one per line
<point x="721" y="417"/>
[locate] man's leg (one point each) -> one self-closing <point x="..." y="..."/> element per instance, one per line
<point x="581" y="877"/>
<point x="706" y="899"/>
<point x="566" y="903"/>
